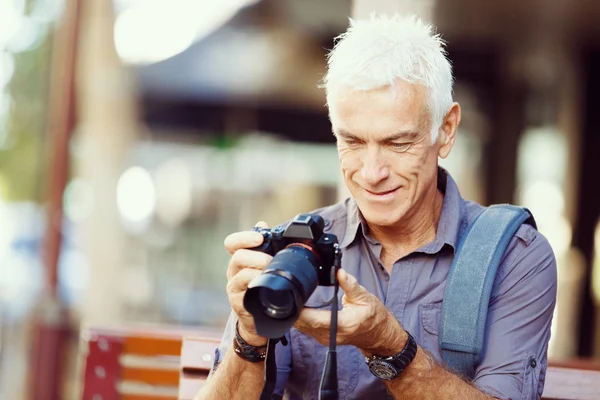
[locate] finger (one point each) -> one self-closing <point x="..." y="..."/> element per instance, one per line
<point x="244" y="258"/>
<point x="245" y="239"/>
<point x="311" y="319"/>
<point x="239" y="282"/>
<point x="352" y="290"/>
<point x="237" y="305"/>
<point x="242" y="240"/>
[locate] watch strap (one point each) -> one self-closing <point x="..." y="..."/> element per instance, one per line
<point x="394" y="364"/>
<point x="245" y="350"/>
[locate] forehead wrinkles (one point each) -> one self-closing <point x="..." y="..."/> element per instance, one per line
<point x="402" y="109"/>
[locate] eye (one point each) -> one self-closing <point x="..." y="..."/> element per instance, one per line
<point x="352" y="142"/>
<point x="400" y="146"/>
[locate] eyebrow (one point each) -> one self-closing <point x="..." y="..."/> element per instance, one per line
<point x="408" y="135"/>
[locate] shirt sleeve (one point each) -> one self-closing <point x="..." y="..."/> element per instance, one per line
<point x="283" y="355"/>
<point x="226" y="342"/>
<point x="514" y="360"/>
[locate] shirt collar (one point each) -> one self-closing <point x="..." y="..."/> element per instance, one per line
<point x="449" y="226"/>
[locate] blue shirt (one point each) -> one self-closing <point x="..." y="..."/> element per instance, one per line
<point x="514" y="359"/>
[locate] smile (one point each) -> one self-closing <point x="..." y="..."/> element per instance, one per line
<point x="382" y="195"/>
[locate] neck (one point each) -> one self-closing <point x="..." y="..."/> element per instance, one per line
<point x="414" y="231"/>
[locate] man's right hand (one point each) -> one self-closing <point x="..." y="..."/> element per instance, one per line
<point x="244" y="266"/>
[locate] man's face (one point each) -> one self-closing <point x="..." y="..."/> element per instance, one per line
<point x="385" y="150"/>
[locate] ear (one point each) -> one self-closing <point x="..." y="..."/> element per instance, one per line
<point x="447" y="133"/>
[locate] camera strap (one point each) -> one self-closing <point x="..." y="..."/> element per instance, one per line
<point x="328" y="387"/>
<point x="271" y="368"/>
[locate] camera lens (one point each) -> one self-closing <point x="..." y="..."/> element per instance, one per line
<point x="276" y="297"/>
<point x="277" y="304"/>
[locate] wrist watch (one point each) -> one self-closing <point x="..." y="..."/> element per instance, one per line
<point x="389" y="367"/>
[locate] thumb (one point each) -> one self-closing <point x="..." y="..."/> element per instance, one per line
<point x="352" y="290"/>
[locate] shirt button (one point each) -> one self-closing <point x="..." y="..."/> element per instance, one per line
<point x="532" y="363"/>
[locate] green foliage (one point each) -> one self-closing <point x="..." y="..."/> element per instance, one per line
<point x="23" y="158"/>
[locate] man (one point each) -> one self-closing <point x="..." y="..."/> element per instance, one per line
<point x="389" y="93"/>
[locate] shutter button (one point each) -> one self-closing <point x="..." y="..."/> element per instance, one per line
<point x="533" y="363"/>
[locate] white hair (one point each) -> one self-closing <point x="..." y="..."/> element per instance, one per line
<point x="375" y="52"/>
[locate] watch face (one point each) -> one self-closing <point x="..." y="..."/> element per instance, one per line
<point x="383" y="370"/>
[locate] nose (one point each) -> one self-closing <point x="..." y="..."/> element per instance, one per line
<point x="374" y="168"/>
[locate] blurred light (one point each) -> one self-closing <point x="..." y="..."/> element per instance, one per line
<point x="173" y="192"/>
<point x="544" y="199"/>
<point x="120" y="5"/>
<point x="8" y="228"/>
<point x="7" y="68"/>
<point x="139" y="278"/>
<point x="150" y="31"/>
<point x="558" y="231"/>
<point x="46" y="11"/>
<point x="542" y="155"/>
<point x="12" y="15"/>
<point x="153" y="31"/>
<point x="547" y="203"/>
<point x="136" y="196"/>
<point x="29" y="35"/>
<point x="74" y="270"/>
<point x="20" y="282"/>
<point x="211" y="15"/>
<point x="79" y="200"/>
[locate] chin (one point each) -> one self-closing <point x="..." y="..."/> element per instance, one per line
<point x="381" y="216"/>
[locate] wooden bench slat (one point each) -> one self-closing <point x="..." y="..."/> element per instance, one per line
<point x="571" y="384"/>
<point x="151" y="331"/>
<point x="152" y="346"/>
<point x="198" y="353"/>
<point x="153" y="376"/>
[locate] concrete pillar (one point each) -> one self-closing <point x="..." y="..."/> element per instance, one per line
<point x="548" y="64"/>
<point x="106" y="131"/>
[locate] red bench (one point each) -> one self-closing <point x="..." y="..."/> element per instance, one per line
<point x="139" y="363"/>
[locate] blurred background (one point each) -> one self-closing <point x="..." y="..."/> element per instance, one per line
<point x="136" y="134"/>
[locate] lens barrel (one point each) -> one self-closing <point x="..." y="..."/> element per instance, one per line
<point x="276" y="297"/>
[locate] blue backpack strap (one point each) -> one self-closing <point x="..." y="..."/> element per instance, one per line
<point x="469" y="284"/>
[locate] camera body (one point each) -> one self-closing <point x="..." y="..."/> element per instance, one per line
<point x="304" y="257"/>
<point x="305" y="230"/>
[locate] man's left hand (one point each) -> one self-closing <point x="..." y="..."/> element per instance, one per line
<point x="364" y="321"/>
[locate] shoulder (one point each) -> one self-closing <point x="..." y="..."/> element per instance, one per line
<point x="528" y="252"/>
<point x="525" y="235"/>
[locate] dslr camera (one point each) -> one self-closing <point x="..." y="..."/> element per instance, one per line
<point x="303" y="258"/>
